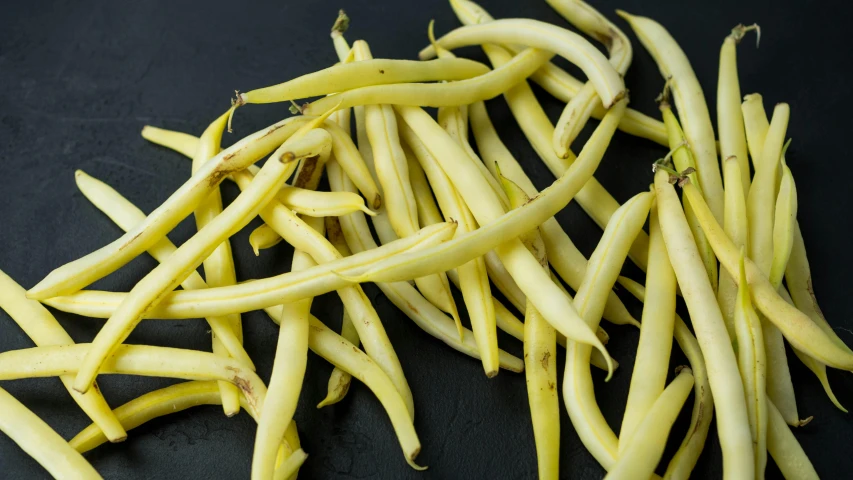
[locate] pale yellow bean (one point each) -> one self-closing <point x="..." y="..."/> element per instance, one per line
<point x="578" y="110"/>
<point x="652" y="360"/>
<point x="729" y="115"/>
<point x="43" y="329"/>
<point x="219" y="265"/>
<point x="756" y="124"/>
<point x="256" y="294"/>
<point x="737" y="228"/>
<point x="685" y="458"/>
<point x="41" y="442"/>
<point x="142" y="360"/>
<point x="349" y="76"/>
<point x="797" y="328"/>
<point x="536" y="34"/>
<point x="593" y="198"/>
<point x="732" y="420"/>
<point x="288" y="372"/>
<point x="165" y="401"/>
<point x="563" y="86"/>
<point x="166" y="276"/>
<point x="605" y="264"/>
<point x="127" y="216"/>
<point x="752" y="363"/>
<point x="461" y="92"/>
<point x="683" y="159"/>
<point x="690" y="101"/>
<point x="760" y="212"/>
<point x="563" y="255"/>
<point x="96" y="265"/>
<point x="645" y="449"/>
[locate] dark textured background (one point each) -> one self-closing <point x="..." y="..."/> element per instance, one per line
<point x="78" y="81"/>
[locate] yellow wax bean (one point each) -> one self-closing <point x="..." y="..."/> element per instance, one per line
<point x="732" y="420"/>
<point x="580" y="107"/>
<point x="349" y="76"/>
<point x="96" y="265"/>
<point x="690" y="101"/>
<point x="536" y="34"/>
<point x="40" y="442"/>
<point x="652" y="361"/>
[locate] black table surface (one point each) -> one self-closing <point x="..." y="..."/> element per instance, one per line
<point x="78" y="80"/>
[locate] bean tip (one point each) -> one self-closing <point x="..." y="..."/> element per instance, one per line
<point x="805" y="421"/>
<point x="625" y="15"/>
<point x="341" y="24"/>
<point x="410" y="459"/>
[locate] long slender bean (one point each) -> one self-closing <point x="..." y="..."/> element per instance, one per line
<point x="96" y="265"/>
<point x="683" y="159"/>
<point x="783" y="225"/>
<point x="760" y="212"/>
<point x="143" y="360"/>
<point x="752" y="363"/>
<point x="536" y="34"/>
<point x="797" y="328"/>
<point x="460" y="92"/>
<point x="737" y="229"/>
<point x="168" y="400"/>
<point x="708" y="323"/>
<point x="486" y="207"/>
<point x="219" y="265"/>
<point x="593" y="198"/>
<point x="349" y="76"/>
<point x="580" y="107"/>
<point x="801" y="295"/>
<point x="165" y="277"/>
<point x="171" y="399"/>
<point x="652" y="360"/>
<point x="257" y="294"/>
<point x="562" y="85"/>
<point x="563" y="255"/>
<point x="685" y="458"/>
<point x="729" y="115"/>
<point x="540" y="360"/>
<point x="605" y="264"/>
<point x="288" y="372"/>
<point x="644" y="450"/>
<point x="690" y="101"/>
<point x="473" y="278"/>
<point x="426" y="315"/>
<point x="41" y="442"/>
<point x="43" y="329"/>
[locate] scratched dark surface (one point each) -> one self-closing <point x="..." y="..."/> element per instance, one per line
<point x="78" y="81"/>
